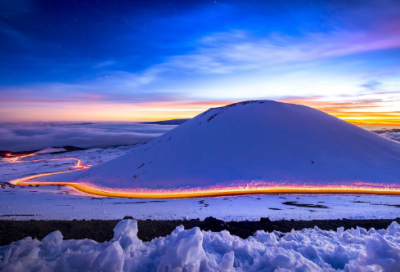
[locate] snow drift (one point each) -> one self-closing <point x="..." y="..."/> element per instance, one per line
<point x="194" y="250"/>
<point x="254" y="141"/>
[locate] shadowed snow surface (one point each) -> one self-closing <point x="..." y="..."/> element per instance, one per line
<point x="199" y="251"/>
<point x="252" y="141"/>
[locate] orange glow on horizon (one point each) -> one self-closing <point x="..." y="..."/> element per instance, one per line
<point x="206" y="192"/>
<point x="356" y="112"/>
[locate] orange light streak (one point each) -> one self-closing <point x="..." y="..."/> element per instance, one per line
<point x="195" y="193"/>
<point x="17" y="159"/>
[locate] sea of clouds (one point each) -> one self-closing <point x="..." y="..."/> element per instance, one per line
<point x="195" y="250"/>
<point x="393" y="134"/>
<point x="39" y="135"/>
<point x="20" y="136"/>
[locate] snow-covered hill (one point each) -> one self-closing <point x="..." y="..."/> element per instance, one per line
<point x="252" y="141"/>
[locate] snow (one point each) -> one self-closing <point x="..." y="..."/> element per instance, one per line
<point x="286" y="139"/>
<point x="195" y="250"/>
<point x="94" y="156"/>
<point x="254" y="142"/>
<point x="50" y="150"/>
<point x="63" y="202"/>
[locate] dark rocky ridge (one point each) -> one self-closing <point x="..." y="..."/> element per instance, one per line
<point x="68" y="148"/>
<point x="175" y="122"/>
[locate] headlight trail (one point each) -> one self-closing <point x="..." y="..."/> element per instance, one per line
<point x="195" y="192"/>
<point x="17" y="159"/>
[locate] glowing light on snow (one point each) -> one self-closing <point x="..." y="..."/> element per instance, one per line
<point x="257" y="188"/>
<point x="17" y="159"/>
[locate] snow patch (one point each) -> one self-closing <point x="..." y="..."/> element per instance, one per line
<point x="51" y="150"/>
<point x="195" y="250"/>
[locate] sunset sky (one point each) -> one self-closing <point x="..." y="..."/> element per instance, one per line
<point x="155" y="60"/>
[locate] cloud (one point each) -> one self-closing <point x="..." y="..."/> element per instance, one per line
<point x="116" y="87"/>
<point x="227" y="53"/>
<point x="39" y="135"/>
<point x="237" y="50"/>
<point x="372" y="85"/>
<point x="392" y="133"/>
<point x="199" y="75"/>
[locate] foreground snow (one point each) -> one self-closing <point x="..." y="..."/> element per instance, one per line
<point x="195" y="250"/>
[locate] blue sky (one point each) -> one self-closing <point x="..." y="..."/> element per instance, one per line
<point x="149" y="60"/>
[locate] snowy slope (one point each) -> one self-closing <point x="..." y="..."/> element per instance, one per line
<point x="66" y="203"/>
<point x="252" y="141"/>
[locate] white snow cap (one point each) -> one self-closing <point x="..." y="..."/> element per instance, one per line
<point x="252" y="141"/>
<point x="199" y="251"/>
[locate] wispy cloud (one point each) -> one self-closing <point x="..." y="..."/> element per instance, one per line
<point x="372" y="85"/>
<point x="230" y="52"/>
<point x="116" y="87"/>
<point x="221" y="53"/>
<point x="184" y="84"/>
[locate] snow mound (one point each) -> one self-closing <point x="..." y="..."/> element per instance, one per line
<point x="51" y="150"/>
<point x="253" y="141"/>
<point x="194" y="250"/>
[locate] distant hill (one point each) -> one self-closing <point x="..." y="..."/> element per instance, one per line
<point x="62" y="149"/>
<point x="253" y="141"/>
<point x="168" y="122"/>
<point x="3" y="153"/>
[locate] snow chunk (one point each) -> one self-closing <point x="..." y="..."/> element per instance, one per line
<point x="125" y="232"/>
<point x="111" y="259"/>
<point x="186" y="252"/>
<point x="380" y="255"/>
<point x="227" y="262"/>
<point x="200" y="251"/>
<point x="264" y="237"/>
<point x="394" y="228"/>
<point x="51" y="244"/>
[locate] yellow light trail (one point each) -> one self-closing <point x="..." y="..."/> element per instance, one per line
<point x="195" y="193"/>
<point x="17" y="159"/>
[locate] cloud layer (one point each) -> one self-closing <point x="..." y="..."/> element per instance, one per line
<point x="34" y="136"/>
